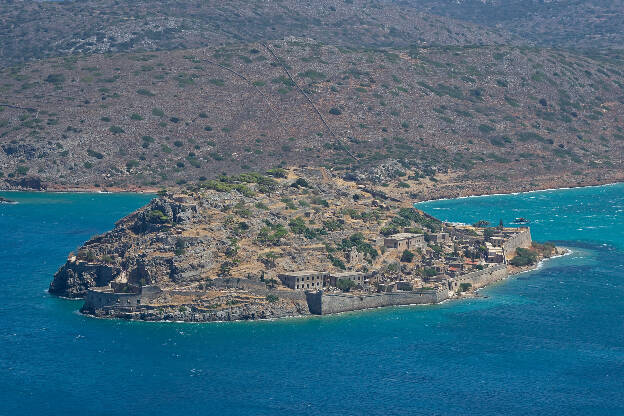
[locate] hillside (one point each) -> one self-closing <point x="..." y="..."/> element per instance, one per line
<point x="576" y="24"/>
<point x="32" y="30"/>
<point x="482" y="117"/>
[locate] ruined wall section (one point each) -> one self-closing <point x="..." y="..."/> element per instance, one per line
<point x="321" y="303"/>
<point x="480" y="278"/>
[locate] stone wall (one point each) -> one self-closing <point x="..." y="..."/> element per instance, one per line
<point x="101" y="298"/>
<point x="521" y="239"/>
<point x="321" y="303"/>
<point x="480" y="278"/>
<point x="235" y="283"/>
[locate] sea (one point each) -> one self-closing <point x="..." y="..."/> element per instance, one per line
<point x="545" y="342"/>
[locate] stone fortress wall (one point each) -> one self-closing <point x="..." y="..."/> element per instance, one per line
<point x="321" y="303"/>
<point x="520" y="239"/>
<point x="100" y="298"/>
<point x="480" y="278"/>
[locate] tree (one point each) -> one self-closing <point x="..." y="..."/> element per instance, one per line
<point x="481" y="224"/>
<point x="524" y="257"/>
<point x="335" y="111"/>
<point x="345" y="284"/>
<point x="488" y="233"/>
<point x="179" y="247"/>
<point x="407" y="256"/>
<point x="463" y="287"/>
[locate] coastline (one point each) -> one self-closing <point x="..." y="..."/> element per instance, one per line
<point x="459" y="296"/>
<point x="439" y="194"/>
<point x="520" y="192"/>
<point x="87" y="190"/>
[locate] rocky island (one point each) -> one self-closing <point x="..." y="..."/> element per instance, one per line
<point x="290" y="242"/>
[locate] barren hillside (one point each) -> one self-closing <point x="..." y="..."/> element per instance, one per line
<point x="489" y="114"/>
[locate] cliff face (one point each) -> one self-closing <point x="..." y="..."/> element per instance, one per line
<point x="123" y="254"/>
<point x="75" y="277"/>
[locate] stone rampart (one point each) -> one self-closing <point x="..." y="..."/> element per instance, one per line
<point x="100" y="298"/>
<point x="321" y="303"/>
<point x="481" y="278"/>
<point x="521" y="239"/>
<point x="236" y="283"/>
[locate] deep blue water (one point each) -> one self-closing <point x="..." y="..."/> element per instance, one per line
<point x="548" y="342"/>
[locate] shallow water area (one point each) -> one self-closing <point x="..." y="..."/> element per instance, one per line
<point x="549" y="341"/>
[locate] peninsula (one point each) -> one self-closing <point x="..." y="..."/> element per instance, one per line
<point x="289" y="242"/>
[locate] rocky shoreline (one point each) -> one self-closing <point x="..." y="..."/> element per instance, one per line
<point x="192" y="314"/>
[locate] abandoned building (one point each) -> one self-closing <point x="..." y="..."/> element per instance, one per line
<point x="304" y="280"/>
<point x="356" y="277"/>
<point x="439" y="238"/>
<point x="405" y="241"/>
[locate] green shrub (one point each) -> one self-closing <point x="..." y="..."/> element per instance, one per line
<point x="389" y="230"/>
<point x="157" y="216"/>
<point x="261" y="205"/>
<point x="158" y="112"/>
<point x="145" y="92"/>
<point x="21" y="170"/>
<point x="95" y="154"/>
<point x="180" y="247"/>
<point x="486" y="129"/>
<point x="272" y="298"/>
<point x="407" y="256"/>
<point x="132" y="164"/>
<point x="272" y="234"/>
<point x="464" y="287"/>
<point x="345" y="284"/>
<point x="524" y="257"/>
<point x="55" y="79"/>
<point x="277" y="172"/>
<point x="116" y="129"/>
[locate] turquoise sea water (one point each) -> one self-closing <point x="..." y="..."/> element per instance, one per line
<point x="548" y="342"/>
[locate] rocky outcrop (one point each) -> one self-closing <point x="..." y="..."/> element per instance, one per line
<point x="27" y="183"/>
<point x="262" y="309"/>
<point x="76" y="277"/>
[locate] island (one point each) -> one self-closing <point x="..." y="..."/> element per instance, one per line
<point x="285" y="243"/>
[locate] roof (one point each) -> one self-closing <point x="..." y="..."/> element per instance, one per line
<point x="404" y="236"/>
<point x="344" y="274"/>
<point x="300" y="273"/>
